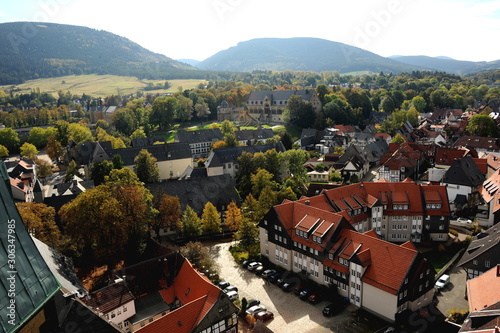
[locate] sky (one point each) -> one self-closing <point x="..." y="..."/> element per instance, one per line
<point x="197" y="29"/>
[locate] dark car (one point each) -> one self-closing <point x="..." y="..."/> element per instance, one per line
<point x="274" y="277"/>
<point x="252" y="302"/>
<point x="223" y="284"/>
<point x="287" y="286"/>
<point x="314" y="298"/>
<point x="264" y="315"/>
<point x="298" y="289"/>
<point x="259" y="270"/>
<point x="245" y="263"/>
<point x="333" y="309"/>
<point x="304" y="294"/>
<point x="267" y="273"/>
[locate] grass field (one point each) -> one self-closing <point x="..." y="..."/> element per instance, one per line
<point x="100" y="85"/>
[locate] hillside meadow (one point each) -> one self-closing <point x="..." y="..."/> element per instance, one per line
<point x="100" y="85"/>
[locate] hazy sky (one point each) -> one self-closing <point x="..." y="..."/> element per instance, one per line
<point x="197" y="29"/>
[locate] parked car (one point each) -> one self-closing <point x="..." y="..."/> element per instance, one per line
<point x="253" y="265"/>
<point x="464" y="220"/>
<point x="274" y="277"/>
<point x="223" y="284"/>
<point x="314" y="298"/>
<point x="442" y="281"/>
<point x="264" y="315"/>
<point x="287" y="286"/>
<point x="245" y="263"/>
<point x="252" y="302"/>
<point x="267" y="273"/>
<point x="304" y="294"/>
<point x="298" y="289"/>
<point x="334" y="308"/>
<point x="233" y="295"/>
<point x="259" y="270"/>
<point x="255" y="309"/>
<point x="231" y="288"/>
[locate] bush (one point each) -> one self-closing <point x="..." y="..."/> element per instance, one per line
<point x="458" y="316"/>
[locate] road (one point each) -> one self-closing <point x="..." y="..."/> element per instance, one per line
<point x="290" y="313"/>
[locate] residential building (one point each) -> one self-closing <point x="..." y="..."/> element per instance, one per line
<point x="463" y="177"/>
<point x="482" y="254"/>
<point x="268" y="106"/>
<point x="484" y="303"/>
<point x="224" y="161"/>
<point x="380" y="277"/>
<point x="253" y="137"/>
<point x="402" y="161"/>
<point x="480" y="144"/>
<point x="488" y="211"/>
<point x="200" y="141"/>
<point x="352" y="163"/>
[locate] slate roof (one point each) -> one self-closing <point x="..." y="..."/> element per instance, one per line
<point x="144" y="142"/>
<point x="196" y="192"/>
<point x="110" y="297"/>
<point x="478" y="246"/>
<point x="464" y="172"/>
<point x="483" y="321"/>
<point x="77" y="315"/>
<point x="258" y="134"/>
<point x="490" y="144"/>
<point x="162" y="152"/>
<point x="35" y="283"/>
<point x="280" y="95"/>
<point x="375" y="150"/>
<point x="220" y="156"/>
<point x="148" y="306"/>
<point x="206" y="135"/>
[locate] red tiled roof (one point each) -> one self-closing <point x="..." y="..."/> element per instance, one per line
<point x="479" y="295"/>
<point x="110" y="297"/>
<point x="446" y="156"/>
<point x="493" y="161"/>
<point x="489" y="190"/>
<point x="482" y="164"/>
<point x="19" y="184"/>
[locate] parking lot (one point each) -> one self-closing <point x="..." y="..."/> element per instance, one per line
<point x="290" y="313"/>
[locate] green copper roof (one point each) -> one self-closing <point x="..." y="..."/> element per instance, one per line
<point x="26" y="282"/>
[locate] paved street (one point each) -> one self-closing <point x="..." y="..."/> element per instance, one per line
<point x="290" y="313"/>
<point x="452" y="296"/>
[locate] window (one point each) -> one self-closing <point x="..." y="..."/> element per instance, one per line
<point x="420" y="288"/>
<point x="406" y="280"/>
<point x="486" y="263"/>
<point x="475" y="262"/>
<point x="405" y="293"/>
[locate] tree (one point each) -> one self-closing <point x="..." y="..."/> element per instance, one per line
<point x="227" y="128"/>
<point x="169" y="213"/>
<point x="79" y="133"/>
<point x="138" y="134"/>
<point x="164" y="110"/>
<point x="201" y="109"/>
<point x="39" y="220"/>
<point x="299" y="112"/>
<point x="28" y="150"/>
<point x="387" y="104"/>
<point x="199" y="256"/>
<point x="145" y="167"/>
<point x="419" y="103"/>
<point x="4" y="152"/>
<point x="267" y="199"/>
<point x="233" y="216"/>
<point x="261" y="180"/>
<point x="190" y="223"/>
<point x="398" y="139"/>
<point x="482" y="125"/>
<point x="247" y="235"/>
<point x="73" y="170"/>
<point x="9" y="139"/>
<point x="43" y="168"/>
<point x="38" y="136"/>
<point x="62" y="134"/>
<point x="53" y="148"/>
<point x="122" y="177"/>
<point x="100" y="170"/>
<point x="117" y="162"/>
<point x="210" y="219"/>
<point x="250" y="208"/>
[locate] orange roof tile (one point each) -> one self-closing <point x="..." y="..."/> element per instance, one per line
<point x="479" y="295"/>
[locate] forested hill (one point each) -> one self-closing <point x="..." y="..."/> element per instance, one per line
<point x="308" y="54"/>
<point x="37" y="50"/>
<point x="448" y="65"/>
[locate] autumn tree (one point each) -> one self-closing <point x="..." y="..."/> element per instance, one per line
<point x="267" y="199"/>
<point x="145" y="167"/>
<point x="28" y="150"/>
<point x="138" y="134"/>
<point x="228" y="128"/>
<point x="191" y="223"/>
<point x="53" y="148"/>
<point x="4" y="152"/>
<point x="398" y="138"/>
<point x="100" y="170"/>
<point x="210" y="219"/>
<point x="79" y="133"/>
<point x="250" y="208"/>
<point x="199" y="256"/>
<point x="168" y="209"/>
<point x="39" y="220"/>
<point x="43" y="168"/>
<point x="260" y="180"/>
<point x="233" y="216"/>
<point x="247" y="235"/>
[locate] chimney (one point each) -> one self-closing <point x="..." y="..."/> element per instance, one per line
<point x="308" y="203"/>
<point x="498" y="270"/>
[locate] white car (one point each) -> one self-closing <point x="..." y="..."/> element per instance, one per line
<point x="464" y="220"/>
<point x="442" y="282"/>
<point x="233" y="295"/>
<point x="255" y="309"/>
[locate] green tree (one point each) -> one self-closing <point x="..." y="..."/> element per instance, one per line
<point x="79" y="133"/>
<point x="419" y="103"/>
<point x="248" y="235"/>
<point x="233" y="216"/>
<point x="250" y="208"/>
<point x="164" y="110"/>
<point x="227" y="128"/>
<point x="38" y="136"/>
<point x="267" y="199"/>
<point x="100" y="170"/>
<point x="39" y="220"/>
<point x="73" y="170"/>
<point x="398" y="139"/>
<point x="138" y="134"/>
<point x="9" y="139"/>
<point x="387" y="104"/>
<point x="145" y="167"/>
<point x="191" y="223"/>
<point x="28" y="150"/>
<point x="4" y="152"/>
<point x="299" y="112"/>
<point x="122" y="177"/>
<point x="117" y="162"/>
<point x="201" y="109"/>
<point x="62" y="135"/>
<point x="210" y="219"/>
<point x="43" y="168"/>
<point x="482" y="125"/>
<point x="102" y="124"/>
<point x="260" y="180"/>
